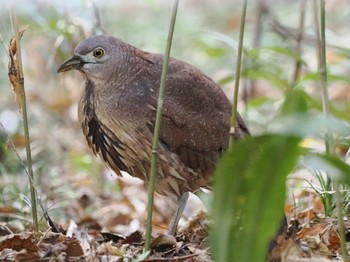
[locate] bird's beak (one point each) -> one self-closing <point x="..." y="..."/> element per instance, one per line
<point x="75" y="62"/>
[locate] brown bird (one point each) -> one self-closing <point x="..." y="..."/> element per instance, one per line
<point x="117" y="114"/>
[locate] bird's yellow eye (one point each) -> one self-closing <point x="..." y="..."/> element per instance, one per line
<point x="98" y="52"/>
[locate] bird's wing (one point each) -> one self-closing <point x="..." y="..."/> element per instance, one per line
<point x="196" y="117"/>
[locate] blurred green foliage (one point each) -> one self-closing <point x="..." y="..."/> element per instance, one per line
<point x="249" y="195"/>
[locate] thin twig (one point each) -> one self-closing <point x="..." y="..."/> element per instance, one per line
<point x="157" y="128"/>
<point x="251" y="84"/>
<point x="25" y="120"/>
<point x="238" y="74"/>
<point x="97" y="22"/>
<point x="299" y="39"/>
<point x="317" y="31"/>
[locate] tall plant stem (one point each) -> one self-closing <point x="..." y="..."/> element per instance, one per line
<point x="328" y="137"/>
<point x="25" y="120"/>
<point x="250" y="85"/>
<point x="157" y="128"/>
<point x="299" y="40"/>
<point x="238" y="73"/>
<point x="323" y="73"/>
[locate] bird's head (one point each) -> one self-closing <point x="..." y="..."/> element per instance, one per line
<point x="96" y="57"/>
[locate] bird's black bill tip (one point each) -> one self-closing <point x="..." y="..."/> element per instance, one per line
<point x="74" y="63"/>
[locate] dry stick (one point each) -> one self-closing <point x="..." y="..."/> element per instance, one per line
<point x="97" y="22"/>
<point x="260" y="13"/>
<point x="317" y="31"/>
<point x="25" y="120"/>
<point x="157" y="128"/>
<point x="299" y="40"/>
<point x="328" y="137"/>
<point x="238" y="74"/>
<point x="250" y="85"/>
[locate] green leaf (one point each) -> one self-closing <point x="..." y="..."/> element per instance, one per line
<point x="316" y="103"/>
<point x="284" y="51"/>
<point x="217" y="36"/>
<point x="343" y="51"/>
<point x="310" y="124"/>
<point x="210" y="49"/>
<point x="249" y="192"/>
<point x="295" y="102"/>
<point x="257" y="101"/>
<point x="225" y="80"/>
<point x="316" y="77"/>
<point x="332" y="165"/>
<point x="273" y="77"/>
<point x="141" y="257"/>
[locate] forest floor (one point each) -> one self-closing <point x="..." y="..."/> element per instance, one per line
<point x="111" y="227"/>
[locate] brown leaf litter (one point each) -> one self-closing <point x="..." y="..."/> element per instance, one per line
<point x="81" y="243"/>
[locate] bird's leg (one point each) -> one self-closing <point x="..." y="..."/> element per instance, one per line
<point x="181" y="203"/>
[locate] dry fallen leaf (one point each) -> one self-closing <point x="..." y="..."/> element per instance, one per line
<point x="73" y="248"/>
<point x="163" y="241"/>
<point x="18" y="242"/>
<point x="13" y="69"/>
<point x="109" y="249"/>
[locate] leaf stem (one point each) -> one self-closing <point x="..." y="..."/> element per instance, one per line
<point x="25" y="120"/>
<point x="157" y="128"/>
<point x="238" y="74"/>
<point x="328" y="137"/>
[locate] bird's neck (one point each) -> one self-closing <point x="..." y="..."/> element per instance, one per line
<point x="88" y="97"/>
